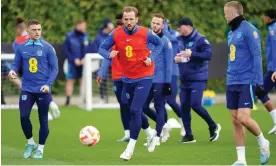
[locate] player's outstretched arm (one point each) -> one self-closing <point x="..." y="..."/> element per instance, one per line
<point x="154" y="39"/>
<point x="103" y="71"/>
<point x="106" y="45"/>
<point x="104" y="67"/>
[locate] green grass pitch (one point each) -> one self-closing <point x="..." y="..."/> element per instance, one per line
<point x="64" y="148"/>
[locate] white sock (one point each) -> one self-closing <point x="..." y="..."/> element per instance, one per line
<point x="181" y="122"/>
<point x="41" y="148"/>
<point x="131" y="145"/>
<point x="127" y="133"/>
<point x="261" y="139"/>
<point x="158" y="139"/>
<point x="31" y="141"/>
<point x="241" y="153"/>
<point x="273" y="115"/>
<point x="148" y="131"/>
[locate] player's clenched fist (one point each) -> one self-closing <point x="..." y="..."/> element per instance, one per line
<point x="148" y="61"/>
<point x="113" y="54"/>
<point x="12" y="74"/>
<point x="45" y="89"/>
<point x="99" y="80"/>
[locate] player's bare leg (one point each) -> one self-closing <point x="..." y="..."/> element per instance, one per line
<point x="239" y="137"/>
<point x="69" y="87"/>
<point x="243" y="117"/>
<point x="272" y="111"/>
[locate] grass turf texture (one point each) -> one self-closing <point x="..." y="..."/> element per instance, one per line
<point x="63" y="145"/>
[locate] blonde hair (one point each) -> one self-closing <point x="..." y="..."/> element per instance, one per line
<point x="236" y="5"/>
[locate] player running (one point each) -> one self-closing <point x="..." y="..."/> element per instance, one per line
<point x="40" y="67"/>
<point x="137" y="64"/>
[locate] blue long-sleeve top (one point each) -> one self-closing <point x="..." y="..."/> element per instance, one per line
<point x="245" y="55"/>
<point x="270" y="46"/>
<point x="106" y="63"/>
<point x="39" y="62"/>
<point x="104" y="49"/>
<point x="94" y="46"/>
<point x="196" y="69"/>
<point x="172" y="35"/>
<point x="164" y="61"/>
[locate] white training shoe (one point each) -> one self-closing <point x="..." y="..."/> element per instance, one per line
<point x="153" y="143"/>
<point x="265" y="153"/>
<point x="50" y="117"/>
<point x="150" y="137"/>
<point x="239" y="163"/>
<point x="165" y="132"/>
<point x="55" y="110"/>
<point x="157" y="143"/>
<point x="273" y="130"/>
<point x="126" y="155"/>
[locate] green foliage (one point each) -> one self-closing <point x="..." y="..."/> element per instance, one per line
<point x="218" y="85"/>
<point x="58" y="16"/>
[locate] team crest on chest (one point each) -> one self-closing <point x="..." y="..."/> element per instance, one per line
<point x="39" y="52"/>
<point x="239" y="35"/>
<point x="190" y="44"/>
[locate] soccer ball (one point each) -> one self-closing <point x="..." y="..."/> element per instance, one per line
<point x="89" y="135"/>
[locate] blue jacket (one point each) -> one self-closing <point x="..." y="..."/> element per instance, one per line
<point x="75" y="45"/>
<point x="196" y="69"/>
<point x="94" y="46"/>
<point x="39" y="62"/>
<point x="172" y="35"/>
<point x="270" y="46"/>
<point x="245" y="55"/>
<point x="151" y="38"/>
<point x="163" y="62"/>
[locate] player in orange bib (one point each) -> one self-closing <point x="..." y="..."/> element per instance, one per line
<point x="137" y="63"/>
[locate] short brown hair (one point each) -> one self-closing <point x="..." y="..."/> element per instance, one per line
<point x="33" y="22"/>
<point x="80" y="21"/>
<point x="131" y="9"/>
<point x="19" y="21"/>
<point x="159" y="15"/>
<point x="235" y="4"/>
